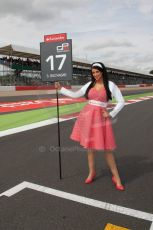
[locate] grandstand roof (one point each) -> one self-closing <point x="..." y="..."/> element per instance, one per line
<point x="19" y="51"/>
<point x="25" y="52"/>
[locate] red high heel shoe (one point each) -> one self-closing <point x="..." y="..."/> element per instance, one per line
<point x="90" y="180"/>
<point x="118" y="187"/>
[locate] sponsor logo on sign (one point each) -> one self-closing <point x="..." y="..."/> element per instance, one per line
<point x="55" y="37"/>
<point x="63" y="48"/>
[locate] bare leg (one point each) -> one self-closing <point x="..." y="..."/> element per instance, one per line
<point x="91" y="163"/>
<point x="112" y="165"/>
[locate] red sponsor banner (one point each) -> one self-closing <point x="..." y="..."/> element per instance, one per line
<point x="43" y="87"/>
<point x="121" y="86"/>
<point x="55" y="37"/>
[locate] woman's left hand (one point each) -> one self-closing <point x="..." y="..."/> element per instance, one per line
<point x="106" y="114"/>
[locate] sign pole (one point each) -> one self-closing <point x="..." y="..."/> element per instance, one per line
<point x="59" y="140"/>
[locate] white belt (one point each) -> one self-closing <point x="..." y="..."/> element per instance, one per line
<point x="98" y="103"/>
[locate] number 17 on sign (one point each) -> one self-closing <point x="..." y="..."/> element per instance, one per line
<point x="51" y="59"/>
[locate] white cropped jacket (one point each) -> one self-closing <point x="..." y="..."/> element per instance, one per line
<point x="116" y="93"/>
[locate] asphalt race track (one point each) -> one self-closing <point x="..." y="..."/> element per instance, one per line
<point x="32" y="156"/>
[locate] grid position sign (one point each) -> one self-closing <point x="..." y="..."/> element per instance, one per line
<point x="56" y="61"/>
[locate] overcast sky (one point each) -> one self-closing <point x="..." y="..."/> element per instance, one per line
<point x="117" y="32"/>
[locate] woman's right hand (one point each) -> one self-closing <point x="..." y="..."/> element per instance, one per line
<point x="57" y="85"/>
<point x="106" y="114"/>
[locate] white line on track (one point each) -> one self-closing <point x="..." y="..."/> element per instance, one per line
<point x="80" y="199"/>
<point x="31" y="126"/>
<point x="136" y="100"/>
<point x="151" y="227"/>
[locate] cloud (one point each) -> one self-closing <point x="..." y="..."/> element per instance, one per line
<point x="135" y="61"/>
<point x="108" y="44"/>
<point x="145" y="6"/>
<point x="37" y="10"/>
<point x="119" y="32"/>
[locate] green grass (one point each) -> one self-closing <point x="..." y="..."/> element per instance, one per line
<point x="137" y="96"/>
<point x="12" y="120"/>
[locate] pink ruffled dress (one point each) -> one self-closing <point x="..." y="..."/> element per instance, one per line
<point x="91" y="129"/>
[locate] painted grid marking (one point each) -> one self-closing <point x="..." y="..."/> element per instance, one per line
<point x="80" y="199"/>
<point x="114" y="227"/>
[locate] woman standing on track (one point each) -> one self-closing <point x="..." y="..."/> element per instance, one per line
<point x="93" y="128"/>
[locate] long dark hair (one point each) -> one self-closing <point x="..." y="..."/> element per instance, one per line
<point x="105" y="80"/>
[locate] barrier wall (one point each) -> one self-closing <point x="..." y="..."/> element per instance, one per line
<point x="7" y="88"/>
<point x="25" y="88"/>
<point x="22" y="88"/>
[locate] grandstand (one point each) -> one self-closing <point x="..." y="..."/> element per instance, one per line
<point x="21" y="66"/>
